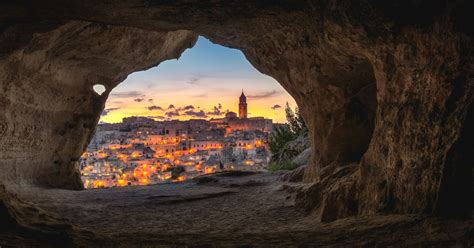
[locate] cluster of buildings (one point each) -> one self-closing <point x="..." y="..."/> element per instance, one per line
<point x="142" y="151"/>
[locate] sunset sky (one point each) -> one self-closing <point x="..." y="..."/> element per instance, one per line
<point x="205" y="82"/>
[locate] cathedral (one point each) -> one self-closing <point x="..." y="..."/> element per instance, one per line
<point x="243" y="106"/>
<point x="243" y="123"/>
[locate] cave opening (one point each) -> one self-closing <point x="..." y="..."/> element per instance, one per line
<point x="209" y="111"/>
<point x="381" y="159"/>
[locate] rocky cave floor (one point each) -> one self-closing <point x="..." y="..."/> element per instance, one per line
<point x="230" y="209"/>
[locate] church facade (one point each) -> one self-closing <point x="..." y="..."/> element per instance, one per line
<point x="243" y="106"/>
<point x="242" y="122"/>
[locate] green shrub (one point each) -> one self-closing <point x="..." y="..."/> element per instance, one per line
<point x="295" y="121"/>
<point x="281" y="136"/>
<point x="283" y="165"/>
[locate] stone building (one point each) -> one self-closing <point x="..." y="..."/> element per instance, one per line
<point x="242" y="106"/>
<point x="242" y="123"/>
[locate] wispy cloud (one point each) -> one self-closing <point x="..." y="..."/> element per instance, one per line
<point x="154" y="107"/>
<point x="188" y="110"/>
<point x="264" y="95"/>
<point x="132" y="93"/>
<point x="141" y="99"/>
<point x="203" y="95"/>
<point x="187" y="107"/>
<point x="171" y="114"/>
<point x="216" y="111"/>
<point x="107" y="111"/>
<point x="194" y="80"/>
<point x="200" y="114"/>
<point x="276" y="106"/>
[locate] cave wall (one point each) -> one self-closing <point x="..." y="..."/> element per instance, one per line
<point x="386" y="86"/>
<point x="423" y="99"/>
<point x="49" y="108"/>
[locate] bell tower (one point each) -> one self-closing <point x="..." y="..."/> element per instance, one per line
<point x="242" y="106"/>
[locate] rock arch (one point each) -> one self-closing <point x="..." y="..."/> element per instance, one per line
<point x="386" y="93"/>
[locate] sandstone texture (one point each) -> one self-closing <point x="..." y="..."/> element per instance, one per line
<point x="385" y="87"/>
<point x="302" y="158"/>
<point x="224" y="210"/>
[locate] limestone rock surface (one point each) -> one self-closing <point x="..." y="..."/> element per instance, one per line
<point x="302" y="158"/>
<point x="292" y="150"/>
<point x="385" y="88"/>
<point x="225" y="210"/>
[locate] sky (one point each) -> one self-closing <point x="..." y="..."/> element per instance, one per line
<point x="204" y="83"/>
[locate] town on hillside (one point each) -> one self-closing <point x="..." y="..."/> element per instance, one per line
<point x="142" y="151"/>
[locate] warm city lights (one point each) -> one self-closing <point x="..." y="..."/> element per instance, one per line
<point x="152" y="152"/>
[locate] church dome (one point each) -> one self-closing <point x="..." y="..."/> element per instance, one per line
<point x="230" y="115"/>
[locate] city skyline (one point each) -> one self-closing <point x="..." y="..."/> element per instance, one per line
<point x="205" y="82"/>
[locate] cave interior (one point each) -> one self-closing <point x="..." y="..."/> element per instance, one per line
<point x="385" y="88"/>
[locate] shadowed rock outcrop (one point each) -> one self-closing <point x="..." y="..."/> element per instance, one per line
<point x="385" y="88"/>
<point x="49" y="106"/>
